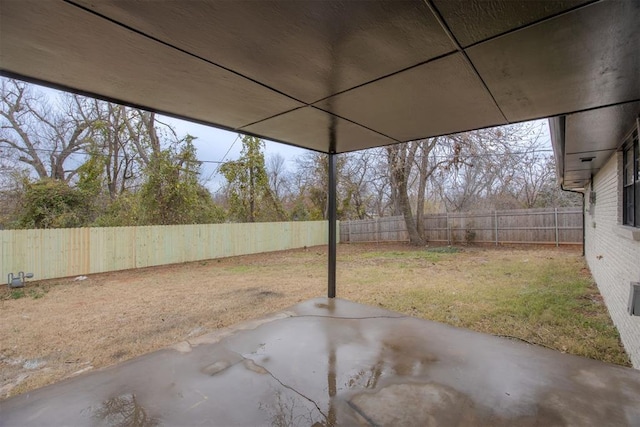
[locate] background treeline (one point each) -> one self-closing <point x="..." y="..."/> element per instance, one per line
<point x="72" y="161"/>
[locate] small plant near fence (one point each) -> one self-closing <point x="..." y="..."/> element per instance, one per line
<point x="469" y="232"/>
<point x="34" y="293"/>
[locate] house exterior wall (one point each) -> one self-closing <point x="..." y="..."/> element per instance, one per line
<point x="612" y="253"/>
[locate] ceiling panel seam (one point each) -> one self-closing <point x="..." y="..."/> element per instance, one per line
<point x="454" y="40"/>
<point x="567" y="114"/>
<point x="179" y="49"/>
<point x="271" y="117"/>
<point x="377" y="79"/>
<point x="536" y="22"/>
<point x="355" y="123"/>
<point x="280" y="141"/>
<point x="400" y="141"/>
<point x="394" y="140"/>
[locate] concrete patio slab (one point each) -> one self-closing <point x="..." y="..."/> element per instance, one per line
<point x="333" y="362"/>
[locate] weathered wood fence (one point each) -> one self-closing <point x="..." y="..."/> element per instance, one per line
<point x="74" y="251"/>
<point x="529" y="226"/>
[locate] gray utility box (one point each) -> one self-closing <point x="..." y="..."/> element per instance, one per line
<point x="634" y="299"/>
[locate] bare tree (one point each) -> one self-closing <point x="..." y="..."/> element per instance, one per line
<point x="357" y="175"/>
<point x="536" y="169"/>
<point x="310" y="181"/>
<point x="382" y="202"/>
<point x="499" y="168"/>
<point x="40" y="135"/>
<point x="412" y="164"/>
<point x="128" y="139"/>
<point x="356" y="184"/>
<point x="45" y="133"/>
<point x="97" y="151"/>
<point x="401" y="159"/>
<point x="277" y="174"/>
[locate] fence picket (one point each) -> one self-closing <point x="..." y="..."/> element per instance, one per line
<point x="538" y="226"/>
<point x="66" y="252"/>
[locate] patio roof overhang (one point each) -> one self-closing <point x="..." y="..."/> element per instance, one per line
<point x="339" y="76"/>
<point x="584" y="141"/>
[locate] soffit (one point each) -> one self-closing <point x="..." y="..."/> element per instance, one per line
<point x="595" y="135"/>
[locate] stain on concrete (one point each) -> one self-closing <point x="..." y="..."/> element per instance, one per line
<point x="123" y="411"/>
<point x="253" y="366"/>
<point x="216" y="367"/>
<point x="431" y="405"/>
<point x="182" y="347"/>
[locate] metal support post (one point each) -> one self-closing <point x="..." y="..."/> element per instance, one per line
<point x="332" y="216"/>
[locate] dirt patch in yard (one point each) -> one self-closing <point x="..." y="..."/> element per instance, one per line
<point x="60" y="328"/>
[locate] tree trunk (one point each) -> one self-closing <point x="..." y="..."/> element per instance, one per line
<point x="425" y="172"/>
<point x="412" y="228"/>
<point x="400" y="158"/>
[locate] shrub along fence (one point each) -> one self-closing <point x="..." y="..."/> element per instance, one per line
<point x="557" y="226"/>
<point x="54" y="253"/>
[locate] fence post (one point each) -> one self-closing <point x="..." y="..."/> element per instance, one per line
<point x="349" y="230"/>
<point x="495" y="220"/>
<point x="377" y="229"/>
<point x="448" y="230"/>
<point x="556" y="222"/>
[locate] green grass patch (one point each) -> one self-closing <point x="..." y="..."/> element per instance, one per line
<point x="444" y="250"/>
<point x="16" y="294"/>
<point x="37" y="293"/>
<point x="404" y="255"/>
<point x="542" y="299"/>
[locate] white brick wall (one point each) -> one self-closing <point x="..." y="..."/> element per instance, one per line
<point x="614" y="259"/>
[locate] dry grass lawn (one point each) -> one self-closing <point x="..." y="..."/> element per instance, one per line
<point x="56" y="329"/>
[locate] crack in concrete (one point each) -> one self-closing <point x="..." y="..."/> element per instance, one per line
<point x="283" y="384"/>
<point x="295" y="391"/>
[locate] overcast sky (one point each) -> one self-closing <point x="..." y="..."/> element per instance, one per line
<point x="213" y="144"/>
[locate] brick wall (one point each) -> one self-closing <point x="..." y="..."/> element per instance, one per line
<point x="612" y="254"/>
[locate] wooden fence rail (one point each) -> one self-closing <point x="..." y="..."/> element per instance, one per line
<point x="74" y="251"/>
<point x="557" y="226"/>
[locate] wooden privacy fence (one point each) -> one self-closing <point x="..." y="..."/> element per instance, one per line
<point x="74" y="251"/>
<point x="533" y="226"/>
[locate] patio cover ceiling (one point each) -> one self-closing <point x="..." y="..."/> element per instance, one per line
<point x="339" y="76"/>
